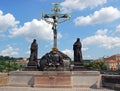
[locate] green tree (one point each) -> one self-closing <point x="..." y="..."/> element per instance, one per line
<point x="11" y="65"/>
<point x="96" y="65"/>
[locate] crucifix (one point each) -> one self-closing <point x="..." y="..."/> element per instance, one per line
<point x="57" y="18"/>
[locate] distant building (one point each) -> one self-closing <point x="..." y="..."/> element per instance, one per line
<point x="115" y="57"/>
<point x="113" y="62"/>
<point x="23" y="62"/>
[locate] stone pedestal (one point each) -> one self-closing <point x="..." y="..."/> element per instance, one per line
<point x="3" y="79"/>
<point x="54" y="69"/>
<point x="21" y="78"/>
<point x="78" y="66"/>
<point x="53" y="80"/>
<point x="86" y="79"/>
<point x="54" y="62"/>
<point x="31" y="68"/>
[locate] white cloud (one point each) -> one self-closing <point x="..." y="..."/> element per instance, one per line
<point x="68" y="52"/>
<point x="117" y="30"/>
<point x="69" y="5"/>
<point x="101" y="32"/>
<point x="35" y="29"/>
<point x="7" y="21"/>
<point x="2" y="35"/>
<point x="27" y="52"/>
<point x="105" y="41"/>
<point x="9" y="51"/>
<point x="87" y="57"/>
<point x="85" y="49"/>
<point x="103" y="15"/>
<point x="1" y="12"/>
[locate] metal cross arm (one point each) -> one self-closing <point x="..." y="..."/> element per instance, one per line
<point x="55" y="15"/>
<point x="65" y="16"/>
<point x="57" y="18"/>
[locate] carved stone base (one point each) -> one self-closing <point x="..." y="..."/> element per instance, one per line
<point x="54" y="69"/>
<point x="78" y="66"/>
<point x="32" y="63"/>
<point x="55" y="61"/>
<point x="31" y="68"/>
<point x="56" y="79"/>
<point x="53" y="79"/>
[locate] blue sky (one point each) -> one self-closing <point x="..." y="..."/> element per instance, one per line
<point x="95" y="22"/>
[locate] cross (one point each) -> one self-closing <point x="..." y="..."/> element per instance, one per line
<point x="56" y="19"/>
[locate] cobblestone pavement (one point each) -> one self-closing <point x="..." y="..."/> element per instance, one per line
<point x="49" y="89"/>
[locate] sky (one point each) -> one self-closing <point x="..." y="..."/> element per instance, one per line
<point x="95" y="22"/>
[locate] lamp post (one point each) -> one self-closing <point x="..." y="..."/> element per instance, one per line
<point x="57" y="18"/>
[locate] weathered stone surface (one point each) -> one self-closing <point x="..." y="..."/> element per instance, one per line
<point x="3" y="79"/>
<point x="53" y="61"/>
<point x="78" y="64"/>
<point x="53" y="80"/>
<point x="33" y="63"/>
<point x="21" y="79"/>
<point x="33" y="54"/>
<point x="77" y="51"/>
<point x="88" y="79"/>
<point x="50" y="89"/>
<point x="31" y="68"/>
<point x="111" y="81"/>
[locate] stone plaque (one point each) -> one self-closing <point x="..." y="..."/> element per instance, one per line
<point x="53" y="80"/>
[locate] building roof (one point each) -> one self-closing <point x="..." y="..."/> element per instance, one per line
<point x="111" y="61"/>
<point x="116" y="55"/>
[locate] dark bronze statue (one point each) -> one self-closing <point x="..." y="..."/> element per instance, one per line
<point x="33" y="54"/>
<point x="51" y="60"/>
<point x="77" y="51"/>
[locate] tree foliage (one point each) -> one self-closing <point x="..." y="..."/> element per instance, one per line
<point x="96" y="65"/>
<point x="9" y="64"/>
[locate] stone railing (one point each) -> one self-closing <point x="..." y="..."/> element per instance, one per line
<point x="56" y="79"/>
<point x="71" y="79"/>
<point x="3" y="79"/>
<point x="111" y="81"/>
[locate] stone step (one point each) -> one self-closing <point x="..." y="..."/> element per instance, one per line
<point x="78" y="64"/>
<point x="31" y="68"/>
<point x="79" y="68"/>
<point x="50" y="89"/>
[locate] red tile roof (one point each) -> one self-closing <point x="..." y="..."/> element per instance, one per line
<point x="111" y="61"/>
<point x="118" y="55"/>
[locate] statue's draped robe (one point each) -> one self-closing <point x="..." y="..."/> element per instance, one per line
<point x="34" y="50"/>
<point x="77" y="51"/>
